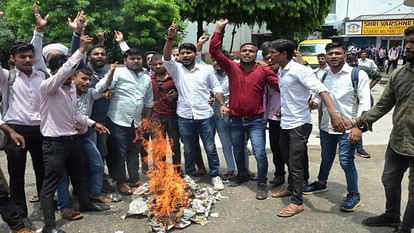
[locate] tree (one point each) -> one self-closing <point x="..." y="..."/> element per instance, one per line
<point x="283" y="17"/>
<point x="7" y="37"/>
<point x="143" y="22"/>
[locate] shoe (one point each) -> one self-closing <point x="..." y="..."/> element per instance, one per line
<point x="363" y="153"/>
<point x="135" y="184"/>
<point x="282" y="193"/>
<point x="95" y="207"/>
<point x="401" y="229"/>
<point x="252" y="176"/>
<point x="115" y="197"/>
<point x="228" y="176"/>
<point x="238" y="181"/>
<point x="70" y="214"/>
<point x="28" y="224"/>
<point x="34" y="199"/>
<point x="124" y="189"/>
<point x="217" y="183"/>
<point x="315" y="187"/>
<point x="53" y="230"/>
<point x="201" y="172"/>
<point x="351" y="202"/>
<point x="101" y="199"/>
<point x="382" y="220"/>
<point x="278" y="180"/>
<point x="262" y="192"/>
<point x="291" y="210"/>
<point x="23" y="230"/>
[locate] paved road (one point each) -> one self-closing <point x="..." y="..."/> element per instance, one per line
<point x="241" y="212"/>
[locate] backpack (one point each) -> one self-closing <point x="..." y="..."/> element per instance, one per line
<point x="5" y="104"/>
<point x="354" y="79"/>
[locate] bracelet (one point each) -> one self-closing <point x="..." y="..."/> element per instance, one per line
<point x="223" y="104"/>
<point x="169" y="39"/>
<point x="353" y="121"/>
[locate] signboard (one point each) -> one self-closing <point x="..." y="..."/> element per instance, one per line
<point x="353" y="28"/>
<point x="394" y="27"/>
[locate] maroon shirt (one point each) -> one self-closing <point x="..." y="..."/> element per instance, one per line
<point x="246" y="88"/>
<point x="162" y="107"/>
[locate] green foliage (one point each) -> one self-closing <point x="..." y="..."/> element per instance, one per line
<point x="6" y="38"/>
<point x="285" y="18"/>
<point x="143" y="22"/>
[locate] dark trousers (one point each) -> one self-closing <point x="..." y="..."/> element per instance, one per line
<point x="121" y="149"/>
<point x="8" y="211"/>
<point x="62" y="156"/>
<point x="274" y="136"/>
<point x="16" y="164"/>
<point x="293" y="145"/>
<point x="170" y="127"/>
<point x="144" y="153"/>
<point x="394" y="168"/>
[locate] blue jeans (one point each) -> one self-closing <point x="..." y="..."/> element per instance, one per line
<point x="94" y="165"/>
<point x="255" y="129"/>
<point x="121" y="149"/>
<point x="329" y="143"/>
<point x="223" y="131"/>
<point x="189" y="131"/>
<point x="63" y="195"/>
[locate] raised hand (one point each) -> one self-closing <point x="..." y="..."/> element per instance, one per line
<point x="85" y="40"/>
<point x="119" y="36"/>
<point x="204" y="38"/>
<point x="222" y="23"/>
<point x="172" y="30"/>
<point x="40" y="22"/>
<point x="79" y="22"/>
<point x="1" y="14"/>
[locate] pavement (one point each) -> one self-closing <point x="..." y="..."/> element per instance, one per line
<point x="239" y="211"/>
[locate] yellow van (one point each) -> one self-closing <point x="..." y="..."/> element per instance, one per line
<point x="310" y="48"/>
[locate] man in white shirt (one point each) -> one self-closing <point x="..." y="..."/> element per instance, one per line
<point x="296" y="81"/>
<point x="366" y="62"/>
<point x="194" y="83"/>
<point x="323" y="67"/>
<point x="351" y="98"/>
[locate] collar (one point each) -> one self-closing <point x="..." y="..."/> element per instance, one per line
<point x="289" y="65"/>
<point x="345" y="69"/>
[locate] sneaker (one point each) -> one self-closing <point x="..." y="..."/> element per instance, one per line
<point x="382" y="220"/>
<point x="238" y="181"/>
<point x="262" y="192"/>
<point x="217" y="183"/>
<point x="363" y="153"/>
<point x="23" y="230"/>
<point x="278" y="180"/>
<point x="315" y="187"/>
<point x="351" y="202"/>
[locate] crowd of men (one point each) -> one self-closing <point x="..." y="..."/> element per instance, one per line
<point x="74" y="116"/>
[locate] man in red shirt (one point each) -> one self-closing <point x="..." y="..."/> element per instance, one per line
<point x="165" y="105"/>
<point x="246" y="84"/>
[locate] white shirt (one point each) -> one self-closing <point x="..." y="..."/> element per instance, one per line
<point x="133" y="92"/>
<point x="296" y="81"/>
<point x="319" y="72"/>
<point x="194" y="88"/>
<point x="367" y="63"/>
<point x="342" y="92"/>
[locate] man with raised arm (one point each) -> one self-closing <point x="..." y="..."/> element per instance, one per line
<point x="194" y="83"/>
<point x="246" y="84"/>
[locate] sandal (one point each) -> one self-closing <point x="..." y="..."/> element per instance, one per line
<point x="290" y="210"/>
<point x="71" y="215"/>
<point x="34" y="199"/>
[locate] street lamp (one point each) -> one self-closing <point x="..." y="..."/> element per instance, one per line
<point x="409" y="3"/>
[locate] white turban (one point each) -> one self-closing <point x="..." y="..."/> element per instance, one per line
<point x="55" y="47"/>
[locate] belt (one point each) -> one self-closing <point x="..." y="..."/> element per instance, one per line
<point x="70" y="138"/>
<point x="248" y="118"/>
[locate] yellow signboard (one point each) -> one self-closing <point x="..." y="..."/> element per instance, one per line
<point x="386" y="27"/>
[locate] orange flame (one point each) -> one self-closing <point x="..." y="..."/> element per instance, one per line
<point x="167" y="187"/>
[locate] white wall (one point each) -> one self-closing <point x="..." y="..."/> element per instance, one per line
<point x="368" y="7"/>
